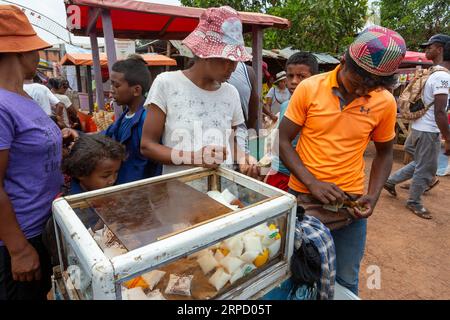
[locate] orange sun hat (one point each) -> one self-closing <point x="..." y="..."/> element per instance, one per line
<point x="16" y="32"/>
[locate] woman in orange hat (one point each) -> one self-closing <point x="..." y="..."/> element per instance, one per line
<point x="30" y="158"/>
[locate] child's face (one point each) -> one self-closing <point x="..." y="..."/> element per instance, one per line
<point x="104" y="175"/>
<point x="296" y="73"/>
<point x="121" y="91"/>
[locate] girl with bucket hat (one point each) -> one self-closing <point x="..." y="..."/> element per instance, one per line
<point x="276" y="96"/>
<point x="195" y="111"/>
<point x="30" y="157"/>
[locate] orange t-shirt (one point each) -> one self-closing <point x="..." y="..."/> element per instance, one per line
<point x="333" y="141"/>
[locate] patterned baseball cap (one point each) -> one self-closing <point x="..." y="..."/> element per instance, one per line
<point x="378" y="50"/>
<point x="218" y="35"/>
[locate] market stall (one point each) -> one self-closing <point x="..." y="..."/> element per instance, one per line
<point x="227" y="237"/>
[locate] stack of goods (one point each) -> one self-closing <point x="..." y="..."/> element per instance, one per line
<point x="103" y="119"/>
<point x="236" y="257"/>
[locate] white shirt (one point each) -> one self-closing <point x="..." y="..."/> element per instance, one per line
<point x="42" y="95"/>
<point x="278" y="97"/>
<point x="437" y="83"/>
<point x="194" y="117"/>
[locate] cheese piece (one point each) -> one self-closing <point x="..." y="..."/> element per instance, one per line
<point x="274" y="248"/>
<point x="179" y="285"/>
<point x="239" y="273"/>
<point x="155" y="295"/>
<point x="219" y="256"/>
<point x="247" y="268"/>
<point x="249" y="256"/>
<point x="153" y="277"/>
<point x="207" y="262"/>
<point x="252" y="243"/>
<point x="219" y="279"/>
<point x="198" y="254"/>
<point x="231" y="263"/>
<point x="135" y="294"/>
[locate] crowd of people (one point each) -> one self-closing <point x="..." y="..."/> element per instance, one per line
<point x="199" y="117"/>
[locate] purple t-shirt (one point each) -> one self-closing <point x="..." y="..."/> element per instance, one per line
<point x="33" y="176"/>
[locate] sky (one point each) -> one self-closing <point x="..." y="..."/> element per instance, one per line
<point x="55" y="10"/>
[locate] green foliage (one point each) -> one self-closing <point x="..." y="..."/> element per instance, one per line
<point x="316" y="25"/>
<point x="416" y="20"/>
<point x="240" y="5"/>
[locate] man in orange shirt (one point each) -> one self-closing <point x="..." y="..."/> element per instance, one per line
<point x="338" y="113"/>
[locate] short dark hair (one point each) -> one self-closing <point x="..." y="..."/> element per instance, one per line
<point x="447" y="52"/>
<point x="305" y="58"/>
<point x="370" y="80"/>
<point x="55" y="83"/>
<point x="87" y="151"/>
<point x="135" y="72"/>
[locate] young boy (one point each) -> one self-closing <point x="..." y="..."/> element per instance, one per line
<point x="338" y="113"/>
<point x="300" y="65"/>
<point x="130" y="81"/>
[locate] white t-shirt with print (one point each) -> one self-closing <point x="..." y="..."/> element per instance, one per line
<point x="437" y="83"/>
<point x="42" y="95"/>
<point x="194" y="117"/>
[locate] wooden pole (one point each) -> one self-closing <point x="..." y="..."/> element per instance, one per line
<point x="257" y="46"/>
<point x="89" y="88"/>
<point x="78" y="72"/>
<point x="108" y="33"/>
<point x="97" y="70"/>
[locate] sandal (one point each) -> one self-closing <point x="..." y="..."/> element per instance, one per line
<point x="390" y="188"/>
<point x="420" y="211"/>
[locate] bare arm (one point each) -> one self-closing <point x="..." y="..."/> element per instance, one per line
<point x="440" y="114"/>
<point x="253" y="104"/>
<point x="379" y="173"/>
<point x="267" y="111"/>
<point x="323" y="191"/>
<point x="151" y="148"/>
<point x="24" y="258"/>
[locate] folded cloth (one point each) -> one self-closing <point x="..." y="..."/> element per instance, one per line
<point x="314" y="231"/>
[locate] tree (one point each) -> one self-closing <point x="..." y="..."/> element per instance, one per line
<point x="239" y="5"/>
<point x="416" y="20"/>
<point x="316" y="25"/>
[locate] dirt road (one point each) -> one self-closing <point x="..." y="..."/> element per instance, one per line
<point x="413" y="254"/>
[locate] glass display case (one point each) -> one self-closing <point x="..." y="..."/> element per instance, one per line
<point x="195" y="234"/>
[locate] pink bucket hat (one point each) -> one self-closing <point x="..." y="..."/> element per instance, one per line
<point x="218" y="35"/>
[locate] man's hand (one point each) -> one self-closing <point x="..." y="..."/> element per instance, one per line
<point x="25" y="265"/>
<point x="366" y="205"/>
<point x="248" y="166"/>
<point x="210" y="156"/>
<point x="326" y="192"/>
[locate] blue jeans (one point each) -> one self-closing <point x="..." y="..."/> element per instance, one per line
<point x="350" y="243"/>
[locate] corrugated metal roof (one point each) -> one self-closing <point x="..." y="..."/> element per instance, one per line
<point x="322" y="58"/>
